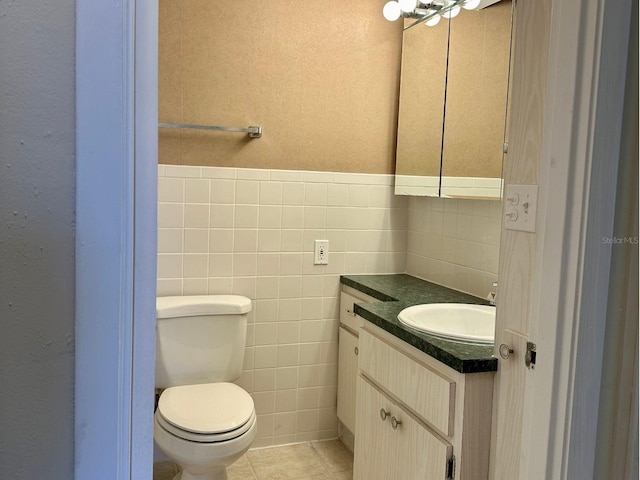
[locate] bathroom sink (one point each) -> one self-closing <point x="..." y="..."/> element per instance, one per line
<point x="454" y="321"/>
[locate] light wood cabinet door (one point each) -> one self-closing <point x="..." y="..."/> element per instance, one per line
<point x="347" y="373"/>
<point x="375" y="454"/>
<point x="408" y="451"/>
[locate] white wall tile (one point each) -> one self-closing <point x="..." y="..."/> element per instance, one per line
<point x="196" y="190"/>
<point x="270" y="193"/>
<point x="293" y="194"/>
<point x="196" y="240"/>
<point x="286" y="399"/>
<point x="269" y="240"/>
<point x="245" y="240"/>
<point x="265" y="356"/>
<point x="266" y="310"/>
<point x="170" y="215"/>
<point x="290" y="263"/>
<point x="223" y="191"/>
<point x="454" y="242"/>
<point x="245" y="264"/>
<point x="195" y="265"/>
<point x="288" y="355"/>
<point x="171" y="189"/>
<point x="196" y="215"/>
<point x="337" y="195"/>
<point x="247" y="192"/>
<point x="286" y="378"/>
<point x="251" y="232"/>
<point x="246" y="216"/>
<point x="221" y="240"/>
<point x="194" y="286"/>
<point x="169" y="287"/>
<point x="181" y="171"/>
<point x="219" y="172"/>
<point x="221" y="216"/>
<point x="170" y="240"/>
<point x="253" y="174"/>
<point x="315" y="194"/>
<point x="267" y="288"/>
<point x="268" y="264"/>
<point x="169" y="265"/>
<point x="220" y="264"/>
<point x="358" y="196"/>
<point x="264" y="402"/>
<point x="269" y="216"/>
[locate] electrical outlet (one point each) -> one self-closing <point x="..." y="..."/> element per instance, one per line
<point x="321" y="252"/>
<point x="520" y="209"/>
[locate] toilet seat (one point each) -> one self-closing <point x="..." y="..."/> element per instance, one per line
<point x="206" y="413"/>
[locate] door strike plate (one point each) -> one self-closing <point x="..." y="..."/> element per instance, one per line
<point x="530" y="356"/>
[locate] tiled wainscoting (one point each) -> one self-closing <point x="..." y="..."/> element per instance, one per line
<point x="251" y="232"/>
<point x="455" y="242"/>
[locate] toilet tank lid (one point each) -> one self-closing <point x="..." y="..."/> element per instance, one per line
<point x="194" y="305"/>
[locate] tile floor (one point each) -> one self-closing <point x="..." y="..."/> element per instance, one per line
<point x="322" y="460"/>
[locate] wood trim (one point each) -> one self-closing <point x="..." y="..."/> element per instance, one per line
<point x="587" y="60"/>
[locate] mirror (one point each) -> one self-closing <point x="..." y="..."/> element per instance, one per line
<point x="453" y="105"/>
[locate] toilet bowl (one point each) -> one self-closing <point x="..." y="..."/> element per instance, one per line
<point x="205" y="428"/>
<point x="203" y="422"/>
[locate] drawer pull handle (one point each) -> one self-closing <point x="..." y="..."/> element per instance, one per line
<point x="395" y="423"/>
<point x="351" y="312"/>
<point x="384" y="414"/>
<point x="356" y="351"/>
<point x="505" y="351"/>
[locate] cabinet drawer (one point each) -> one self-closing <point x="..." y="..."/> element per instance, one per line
<point x="347" y="315"/>
<point x="429" y="394"/>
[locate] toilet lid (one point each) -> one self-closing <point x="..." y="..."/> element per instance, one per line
<point x="207" y="408"/>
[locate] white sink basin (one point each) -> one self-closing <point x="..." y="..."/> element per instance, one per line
<point x="454" y="321"/>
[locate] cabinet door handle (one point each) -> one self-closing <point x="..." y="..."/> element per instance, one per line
<point x="351" y="312"/>
<point x="384" y="414"/>
<point x="395" y="423"/>
<point x="356" y="351"/>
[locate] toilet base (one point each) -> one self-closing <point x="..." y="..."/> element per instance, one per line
<point x="218" y="474"/>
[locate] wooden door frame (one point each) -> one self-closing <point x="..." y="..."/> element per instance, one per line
<point x="578" y="175"/>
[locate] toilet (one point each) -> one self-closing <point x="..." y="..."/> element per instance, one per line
<point x="203" y="422"/>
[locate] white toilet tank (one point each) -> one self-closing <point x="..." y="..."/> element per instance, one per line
<point x="200" y="339"/>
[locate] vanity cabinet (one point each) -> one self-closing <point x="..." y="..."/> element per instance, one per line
<point x="442" y="418"/>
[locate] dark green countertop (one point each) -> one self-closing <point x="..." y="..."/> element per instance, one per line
<point x="399" y="291"/>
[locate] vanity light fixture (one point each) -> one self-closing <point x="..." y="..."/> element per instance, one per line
<point x="427" y="11"/>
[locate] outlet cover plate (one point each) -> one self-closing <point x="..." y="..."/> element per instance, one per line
<point x="321" y="252"/>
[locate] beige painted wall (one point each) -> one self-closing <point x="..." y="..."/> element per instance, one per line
<point x="321" y="78"/>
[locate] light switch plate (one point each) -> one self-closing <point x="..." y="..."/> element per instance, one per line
<point x="521" y="205"/>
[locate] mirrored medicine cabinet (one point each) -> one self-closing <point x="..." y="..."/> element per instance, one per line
<point x="453" y="106"/>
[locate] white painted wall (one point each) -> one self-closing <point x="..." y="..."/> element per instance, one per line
<point x="37" y="151"/>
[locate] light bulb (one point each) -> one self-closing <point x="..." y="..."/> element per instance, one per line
<point x="471" y="4"/>
<point x="452" y="13"/>
<point x="433" y="21"/>
<point x="407" y="5"/>
<point x="391" y="11"/>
